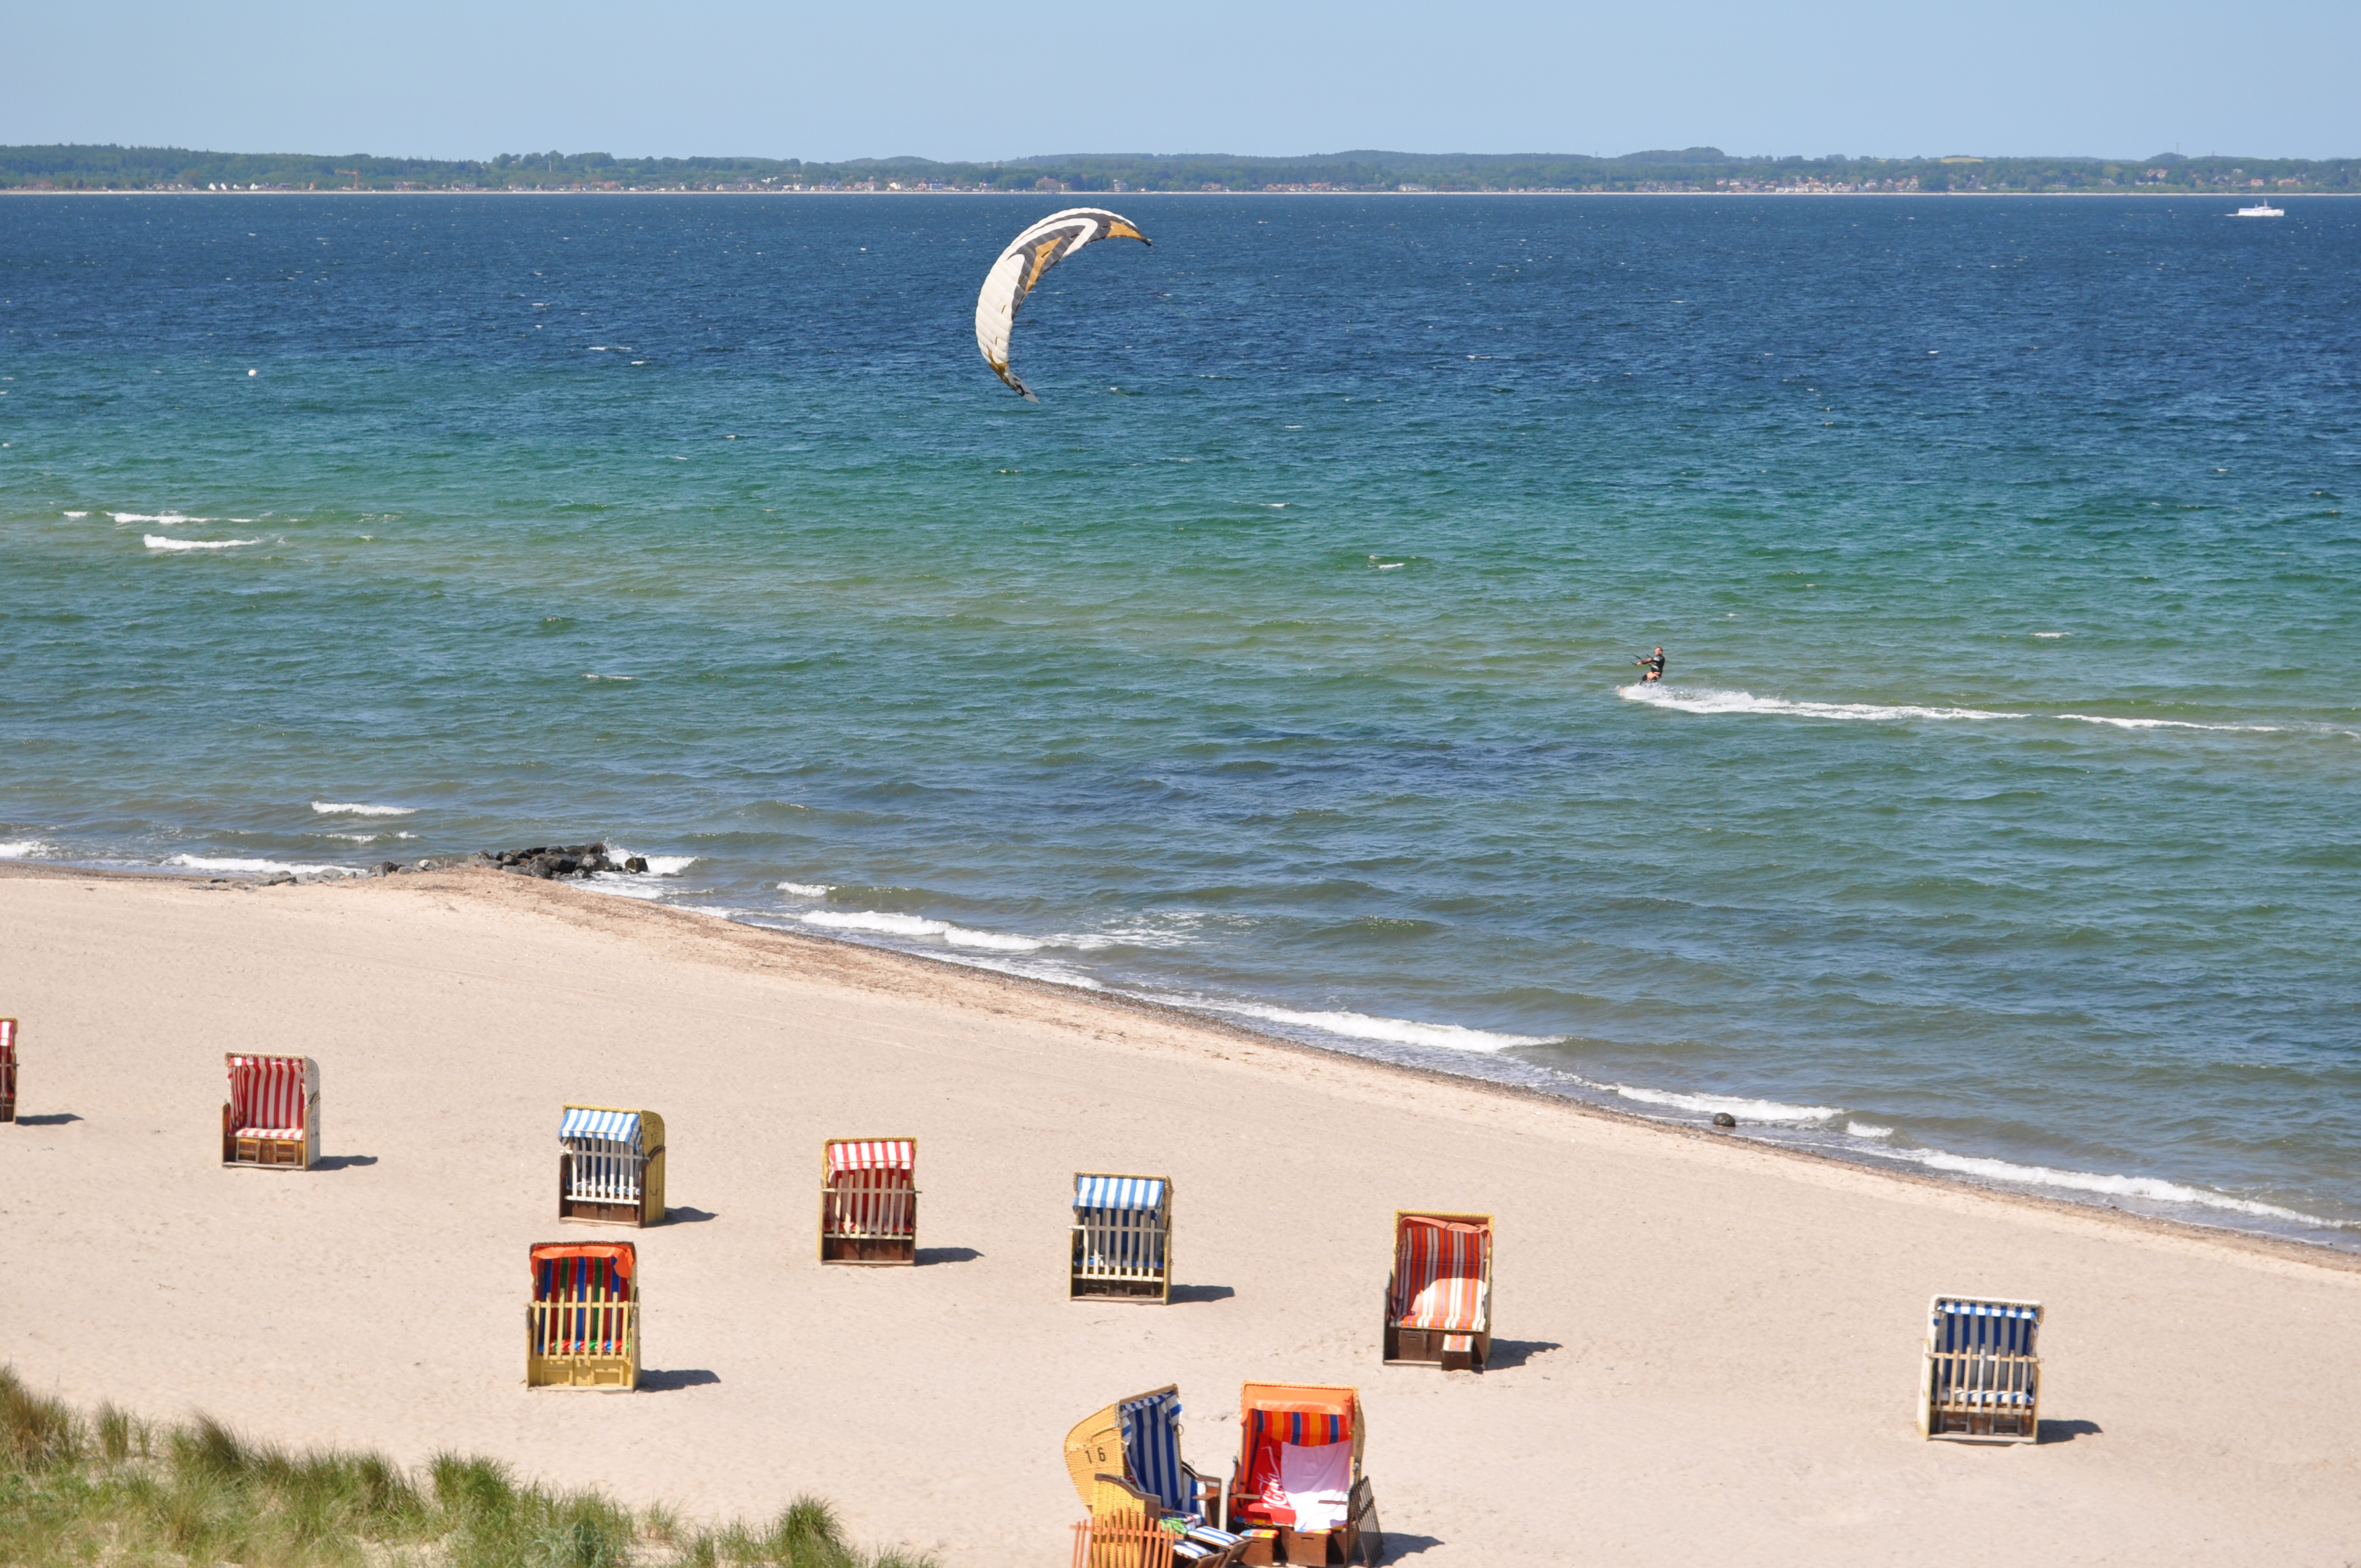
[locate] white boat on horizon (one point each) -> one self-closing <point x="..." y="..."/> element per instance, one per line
<point x="2262" y="209"/>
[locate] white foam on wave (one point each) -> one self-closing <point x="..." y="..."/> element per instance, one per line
<point x="356" y="808"/>
<point x="2168" y="724"/>
<point x="367" y="838"/>
<point x="1766" y="1111"/>
<point x="2154" y="1189"/>
<point x="235" y="864"/>
<point x="658" y="865"/>
<point x="1389" y="1031"/>
<point x="1706" y="700"/>
<point x="169" y="519"/>
<point x="23" y="849"/>
<point x="1861" y="1129"/>
<point x="77" y="516"/>
<point x="2049" y="636"/>
<point x="886" y="924"/>
<point x="808" y="889"/>
<point x="159" y="542"/>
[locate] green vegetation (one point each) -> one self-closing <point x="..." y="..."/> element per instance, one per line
<point x="1704" y="169"/>
<point x="116" y="1490"/>
<point x="1699" y="168"/>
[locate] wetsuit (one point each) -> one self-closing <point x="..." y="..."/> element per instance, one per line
<point x="1653" y="664"/>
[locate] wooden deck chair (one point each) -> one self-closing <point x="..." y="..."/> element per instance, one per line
<point x="1123" y="1529"/>
<point x="869" y="1201"/>
<point x="582" y="1327"/>
<point x="1139" y="1440"/>
<point x="1982" y="1378"/>
<point x="272" y="1119"/>
<point x="1439" y="1302"/>
<point x="1319" y="1501"/>
<point x="612" y="1167"/>
<point x="7" y="1069"/>
<point x="1121" y="1246"/>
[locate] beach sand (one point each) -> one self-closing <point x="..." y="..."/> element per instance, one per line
<point x="1707" y="1349"/>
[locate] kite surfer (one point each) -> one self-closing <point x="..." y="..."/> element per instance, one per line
<point x="1652" y="664"/>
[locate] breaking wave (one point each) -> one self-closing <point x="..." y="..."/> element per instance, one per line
<point x="355" y="809"/>
<point x="1390" y="1031"/>
<point x="158" y="541"/>
<point x="2153" y="1189"/>
<point x="1766" y="1113"/>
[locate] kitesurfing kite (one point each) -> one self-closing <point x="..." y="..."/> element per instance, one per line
<point x="1020" y="267"/>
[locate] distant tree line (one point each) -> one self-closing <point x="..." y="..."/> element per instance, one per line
<point x="1691" y="169"/>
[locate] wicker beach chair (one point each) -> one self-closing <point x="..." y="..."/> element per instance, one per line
<point x="612" y="1167"/>
<point x="1982" y="1377"/>
<point x="7" y="1069"/>
<point x="1121" y="1244"/>
<point x="272" y="1119"/>
<point x="1439" y="1302"/>
<point x="1291" y="1479"/>
<point x="582" y="1327"/>
<point x="869" y="1201"/>
<point x="1139" y="1440"/>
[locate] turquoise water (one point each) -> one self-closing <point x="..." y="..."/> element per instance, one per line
<point x="1998" y="815"/>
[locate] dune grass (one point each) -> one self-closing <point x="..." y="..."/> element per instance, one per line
<point x="111" y="1490"/>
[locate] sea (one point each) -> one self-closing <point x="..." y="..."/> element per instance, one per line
<point x="1998" y="815"/>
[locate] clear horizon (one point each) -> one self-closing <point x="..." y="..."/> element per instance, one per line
<point x="726" y="78"/>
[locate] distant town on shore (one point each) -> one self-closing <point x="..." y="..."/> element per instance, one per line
<point x="1698" y="168"/>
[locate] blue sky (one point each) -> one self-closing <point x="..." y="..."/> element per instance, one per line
<point x="436" y="78"/>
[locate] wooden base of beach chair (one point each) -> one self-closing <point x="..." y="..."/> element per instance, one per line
<point x="265" y="1153"/>
<point x="1153" y="1292"/>
<point x="1433" y="1347"/>
<point x="618" y="1373"/>
<point x="1985" y="1426"/>
<point x="641" y="1212"/>
<point x="868" y="1249"/>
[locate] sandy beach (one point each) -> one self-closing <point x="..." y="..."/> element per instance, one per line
<point x="1707" y="1350"/>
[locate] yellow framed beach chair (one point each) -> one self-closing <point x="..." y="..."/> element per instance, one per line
<point x="1439" y="1301"/>
<point x="869" y="1201"/>
<point x="612" y="1167"/>
<point x="1137" y="1440"/>
<point x="582" y="1326"/>
<point x="1298" y="1482"/>
<point x="1121" y="1244"/>
<point x="272" y="1119"/>
<point x="1982" y="1377"/>
<point x="7" y="1069"/>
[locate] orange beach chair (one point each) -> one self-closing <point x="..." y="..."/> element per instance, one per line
<point x="1439" y="1302"/>
<point x="1299" y="1474"/>
<point x="582" y="1326"/>
<point x="7" y="1069"/>
<point x="869" y="1201"/>
<point x="612" y="1167"/>
<point x="272" y="1119"/>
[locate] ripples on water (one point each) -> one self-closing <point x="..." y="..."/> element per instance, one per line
<point x="1998" y="816"/>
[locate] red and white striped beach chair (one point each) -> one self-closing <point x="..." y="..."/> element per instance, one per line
<point x="274" y="1115"/>
<point x="7" y="1069"/>
<point x="582" y="1327"/>
<point x="612" y="1169"/>
<point x="869" y="1201"/>
<point x="1439" y="1302"/>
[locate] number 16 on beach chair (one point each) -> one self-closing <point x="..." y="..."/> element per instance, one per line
<point x="272" y="1119"/>
<point x="7" y="1069"/>
<point x="869" y="1201"/>
<point x="1123" y="1239"/>
<point x="582" y="1326"/>
<point x="1439" y="1302"/>
<point x="612" y="1169"/>
<point x="1981" y="1380"/>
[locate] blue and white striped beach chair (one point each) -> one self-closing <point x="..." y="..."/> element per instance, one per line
<point x="1982" y="1374"/>
<point x="1122" y="1239"/>
<point x="612" y="1165"/>
<point x="1138" y="1442"/>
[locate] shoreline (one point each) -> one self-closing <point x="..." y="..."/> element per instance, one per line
<point x="2325" y="1252"/>
<point x="1127" y="195"/>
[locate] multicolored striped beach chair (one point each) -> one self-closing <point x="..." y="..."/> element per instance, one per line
<point x="7" y="1069"/>
<point x="612" y="1167"/>
<point x="582" y="1327"/>
<point x="869" y="1201"/>
<point x="1139" y="1440"/>
<point x="1439" y="1302"/>
<point x="1299" y="1472"/>
<point x="1122" y="1239"/>
<point x="1981" y="1380"/>
<point x="272" y="1119"/>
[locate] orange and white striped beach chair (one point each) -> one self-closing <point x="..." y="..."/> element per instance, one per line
<point x="869" y="1201"/>
<point x="7" y="1069"/>
<point x="612" y="1167"/>
<point x="272" y="1119"/>
<point x="582" y="1327"/>
<point x="1439" y="1302"/>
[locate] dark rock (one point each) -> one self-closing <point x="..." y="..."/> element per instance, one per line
<point x="636" y="863"/>
<point x="384" y="868"/>
<point x="565" y="865"/>
<point x="281" y="879"/>
<point x="1724" y="1118"/>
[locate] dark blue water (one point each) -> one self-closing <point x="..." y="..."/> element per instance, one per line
<point x="1998" y="815"/>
